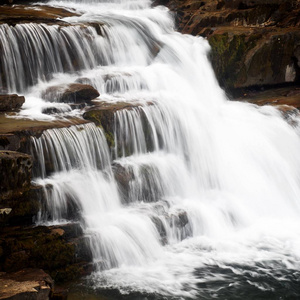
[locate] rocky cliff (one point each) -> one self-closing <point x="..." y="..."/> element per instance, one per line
<point x="254" y="43"/>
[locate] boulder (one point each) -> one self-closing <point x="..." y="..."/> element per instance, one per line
<point x="31" y="284"/>
<point x="71" y="93"/>
<point x="11" y="102"/>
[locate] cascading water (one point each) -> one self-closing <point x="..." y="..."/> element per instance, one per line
<point x="210" y="206"/>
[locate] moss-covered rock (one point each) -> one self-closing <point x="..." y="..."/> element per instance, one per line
<point x="103" y="115"/>
<point x="254" y="43"/>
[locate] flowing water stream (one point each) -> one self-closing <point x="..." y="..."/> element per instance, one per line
<point x="210" y="208"/>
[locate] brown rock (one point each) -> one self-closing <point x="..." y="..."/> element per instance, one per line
<point x="254" y="43"/>
<point x="72" y="93"/>
<point x="103" y="115"/>
<point x="11" y="102"/>
<point x="21" y="208"/>
<point x="17" y="14"/>
<point x="15" y="134"/>
<point x="62" y="251"/>
<point x="15" y="173"/>
<point x="31" y="284"/>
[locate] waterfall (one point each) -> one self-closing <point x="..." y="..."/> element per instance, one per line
<point x="199" y="196"/>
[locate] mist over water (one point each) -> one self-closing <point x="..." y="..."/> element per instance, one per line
<point x="212" y="205"/>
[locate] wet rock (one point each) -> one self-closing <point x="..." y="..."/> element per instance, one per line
<point x="72" y="93"/>
<point x="15" y="134"/>
<point x="68" y="231"/>
<point x="15" y="173"/>
<point x="102" y="114"/>
<point x="141" y="183"/>
<point x="9" y="141"/>
<point x="288" y="97"/>
<point x="18" y="14"/>
<point x="23" y="208"/>
<point x="254" y="43"/>
<point x="60" y="293"/>
<point x="160" y="228"/>
<point x="179" y="220"/>
<point x="70" y="210"/>
<point x="254" y="58"/>
<point x="31" y="284"/>
<point x="123" y="177"/>
<point x="82" y="249"/>
<point x="53" y="110"/>
<point x="59" y="250"/>
<point x="11" y="102"/>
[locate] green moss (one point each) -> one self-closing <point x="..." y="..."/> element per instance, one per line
<point x="227" y="56"/>
<point x="103" y="119"/>
<point x="110" y="139"/>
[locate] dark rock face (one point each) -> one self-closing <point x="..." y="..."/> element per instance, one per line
<point x="254" y="43"/>
<point x="59" y="250"/>
<point x="31" y="284"/>
<point x="11" y="102"/>
<point x="19" y="201"/>
<point x="21" y="209"/>
<point x="72" y="93"/>
<point x="250" y="58"/>
<point x="15" y="173"/>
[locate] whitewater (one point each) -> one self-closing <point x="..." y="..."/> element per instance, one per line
<point x="212" y="205"/>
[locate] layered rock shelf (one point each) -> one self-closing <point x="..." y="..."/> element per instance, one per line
<point x="253" y="43"/>
<point x="17" y="14"/>
<point x="32" y="284"/>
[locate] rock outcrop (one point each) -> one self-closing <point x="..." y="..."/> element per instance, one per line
<point x="102" y="115"/>
<point x="17" y="14"/>
<point x="11" y="102"/>
<point x="15" y="134"/>
<point x="254" y="43"/>
<point x="31" y="284"/>
<point x="61" y="251"/>
<point x="15" y="173"/>
<point x="72" y="93"/>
